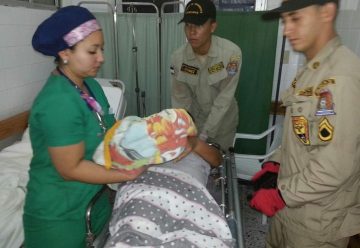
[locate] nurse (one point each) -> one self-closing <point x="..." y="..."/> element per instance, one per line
<point x="67" y="122"/>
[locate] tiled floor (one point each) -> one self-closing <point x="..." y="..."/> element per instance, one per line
<point x="255" y="231"/>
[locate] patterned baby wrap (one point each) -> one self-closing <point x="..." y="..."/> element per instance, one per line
<point x="134" y="142"/>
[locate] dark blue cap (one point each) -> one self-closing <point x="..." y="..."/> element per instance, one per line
<point x="292" y="5"/>
<point x="63" y="29"/>
<point x="199" y="11"/>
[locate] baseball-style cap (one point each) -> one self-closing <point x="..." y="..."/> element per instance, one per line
<point x="199" y="11"/>
<point x="292" y="5"/>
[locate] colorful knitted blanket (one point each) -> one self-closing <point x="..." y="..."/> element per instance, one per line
<point x="134" y="142"/>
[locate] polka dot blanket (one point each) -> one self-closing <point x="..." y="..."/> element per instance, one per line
<point x="165" y="208"/>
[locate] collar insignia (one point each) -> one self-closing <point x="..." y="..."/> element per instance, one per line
<point x="316" y="65"/>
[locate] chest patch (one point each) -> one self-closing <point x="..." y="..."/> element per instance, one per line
<point x="325" y="104"/>
<point x="301" y="129"/>
<point x="216" y="68"/>
<point x="189" y="69"/>
<point x="306" y="92"/>
<point x="326" y="130"/>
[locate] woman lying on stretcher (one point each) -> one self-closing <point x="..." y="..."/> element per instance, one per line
<point x="168" y="205"/>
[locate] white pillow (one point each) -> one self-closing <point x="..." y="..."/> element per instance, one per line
<point x="22" y="147"/>
<point x="26" y="135"/>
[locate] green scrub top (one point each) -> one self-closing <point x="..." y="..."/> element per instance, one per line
<point x="60" y="117"/>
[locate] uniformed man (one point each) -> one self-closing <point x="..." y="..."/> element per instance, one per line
<point x="205" y="73"/>
<point x="317" y="199"/>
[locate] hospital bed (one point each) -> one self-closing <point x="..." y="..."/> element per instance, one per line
<point x="15" y="159"/>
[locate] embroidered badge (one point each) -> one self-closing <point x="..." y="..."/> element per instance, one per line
<point x="189" y="69"/>
<point x="326" y="130"/>
<point x="305" y="92"/>
<point x="293" y="83"/>
<point x="301" y="129"/>
<point x="325" y="104"/>
<point x="216" y="68"/>
<point x="323" y="84"/>
<point x="232" y="66"/>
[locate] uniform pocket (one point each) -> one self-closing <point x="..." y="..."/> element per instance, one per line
<point x="300" y="112"/>
<point x="215" y="78"/>
<point x="190" y="79"/>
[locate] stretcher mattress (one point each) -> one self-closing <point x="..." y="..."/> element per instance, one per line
<point x="168" y="207"/>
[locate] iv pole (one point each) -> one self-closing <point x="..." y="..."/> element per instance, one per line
<point x="132" y="9"/>
<point x="134" y="50"/>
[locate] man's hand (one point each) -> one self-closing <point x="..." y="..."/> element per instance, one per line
<point x="267" y="201"/>
<point x="266" y="178"/>
<point x="191" y="144"/>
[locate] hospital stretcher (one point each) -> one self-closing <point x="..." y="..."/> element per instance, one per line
<point x="15" y="159"/>
<point x="222" y="185"/>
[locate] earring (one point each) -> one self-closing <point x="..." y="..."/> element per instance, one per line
<point x="65" y="61"/>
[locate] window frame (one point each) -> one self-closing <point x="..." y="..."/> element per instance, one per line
<point x="30" y="4"/>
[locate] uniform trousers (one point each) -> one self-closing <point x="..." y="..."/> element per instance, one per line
<point x="281" y="237"/>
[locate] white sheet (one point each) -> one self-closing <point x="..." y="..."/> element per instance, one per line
<point x="14" y="165"/>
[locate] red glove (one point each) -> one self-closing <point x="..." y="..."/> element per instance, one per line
<point x="266" y="178"/>
<point x="268" y="166"/>
<point x="267" y="201"/>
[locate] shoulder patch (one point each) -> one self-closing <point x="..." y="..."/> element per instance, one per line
<point x="233" y="65"/>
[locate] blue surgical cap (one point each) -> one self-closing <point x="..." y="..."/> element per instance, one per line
<point x="63" y="29"/>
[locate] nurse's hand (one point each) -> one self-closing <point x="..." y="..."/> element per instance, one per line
<point x="130" y="175"/>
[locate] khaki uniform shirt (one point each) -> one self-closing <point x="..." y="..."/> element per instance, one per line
<point x="319" y="175"/>
<point x="207" y="89"/>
